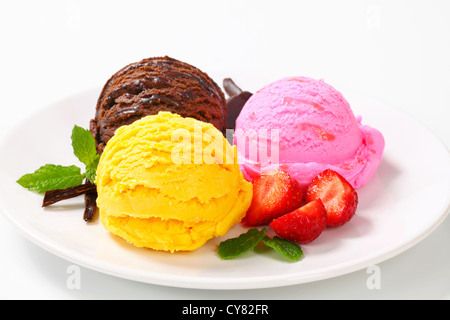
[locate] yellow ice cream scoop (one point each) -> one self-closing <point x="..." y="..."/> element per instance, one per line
<point x="170" y="183"/>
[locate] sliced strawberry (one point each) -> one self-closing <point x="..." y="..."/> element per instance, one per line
<point x="303" y="224"/>
<point x="273" y="195"/>
<point x="337" y="194"/>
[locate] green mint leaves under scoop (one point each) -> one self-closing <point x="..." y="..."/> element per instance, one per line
<point x="234" y="247"/>
<point x="52" y="177"/>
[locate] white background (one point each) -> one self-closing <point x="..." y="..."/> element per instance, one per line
<point x="397" y="51"/>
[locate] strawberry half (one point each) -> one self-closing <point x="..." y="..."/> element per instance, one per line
<point x="303" y="224"/>
<point x="337" y="194"/>
<point x="273" y="196"/>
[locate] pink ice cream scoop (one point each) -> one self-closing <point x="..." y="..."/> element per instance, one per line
<point x="304" y="126"/>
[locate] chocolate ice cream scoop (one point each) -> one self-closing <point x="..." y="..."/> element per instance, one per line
<point x="152" y="85"/>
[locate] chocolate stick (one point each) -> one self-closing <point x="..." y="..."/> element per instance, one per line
<point x="231" y="88"/>
<point x="236" y="102"/>
<point x="54" y="196"/>
<point x="90" y="205"/>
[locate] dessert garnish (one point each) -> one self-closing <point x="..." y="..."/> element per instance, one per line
<point x="339" y="197"/>
<point x="302" y="225"/>
<point x="53" y="196"/>
<point x="273" y="196"/>
<point x="52" y="177"/>
<point x="330" y="201"/>
<point x="235" y="102"/>
<point x="234" y="247"/>
<point x="64" y="182"/>
<point x="90" y="204"/>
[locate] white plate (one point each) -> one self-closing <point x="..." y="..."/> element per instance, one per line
<point x="405" y="201"/>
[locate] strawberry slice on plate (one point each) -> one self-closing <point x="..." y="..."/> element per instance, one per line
<point x="337" y="194"/>
<point x="302" y="225"/>
<point x="274" y="194"/>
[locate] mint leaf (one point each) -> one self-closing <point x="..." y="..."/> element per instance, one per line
<point x="51" y="177"/>
<point x="231" y="248"/>
<point x="83" y="144"/>
<point x="287" y="248"/>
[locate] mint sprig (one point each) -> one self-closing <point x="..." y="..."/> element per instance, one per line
<point x="53" y="177"/>
<point x="234" y="247"/>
